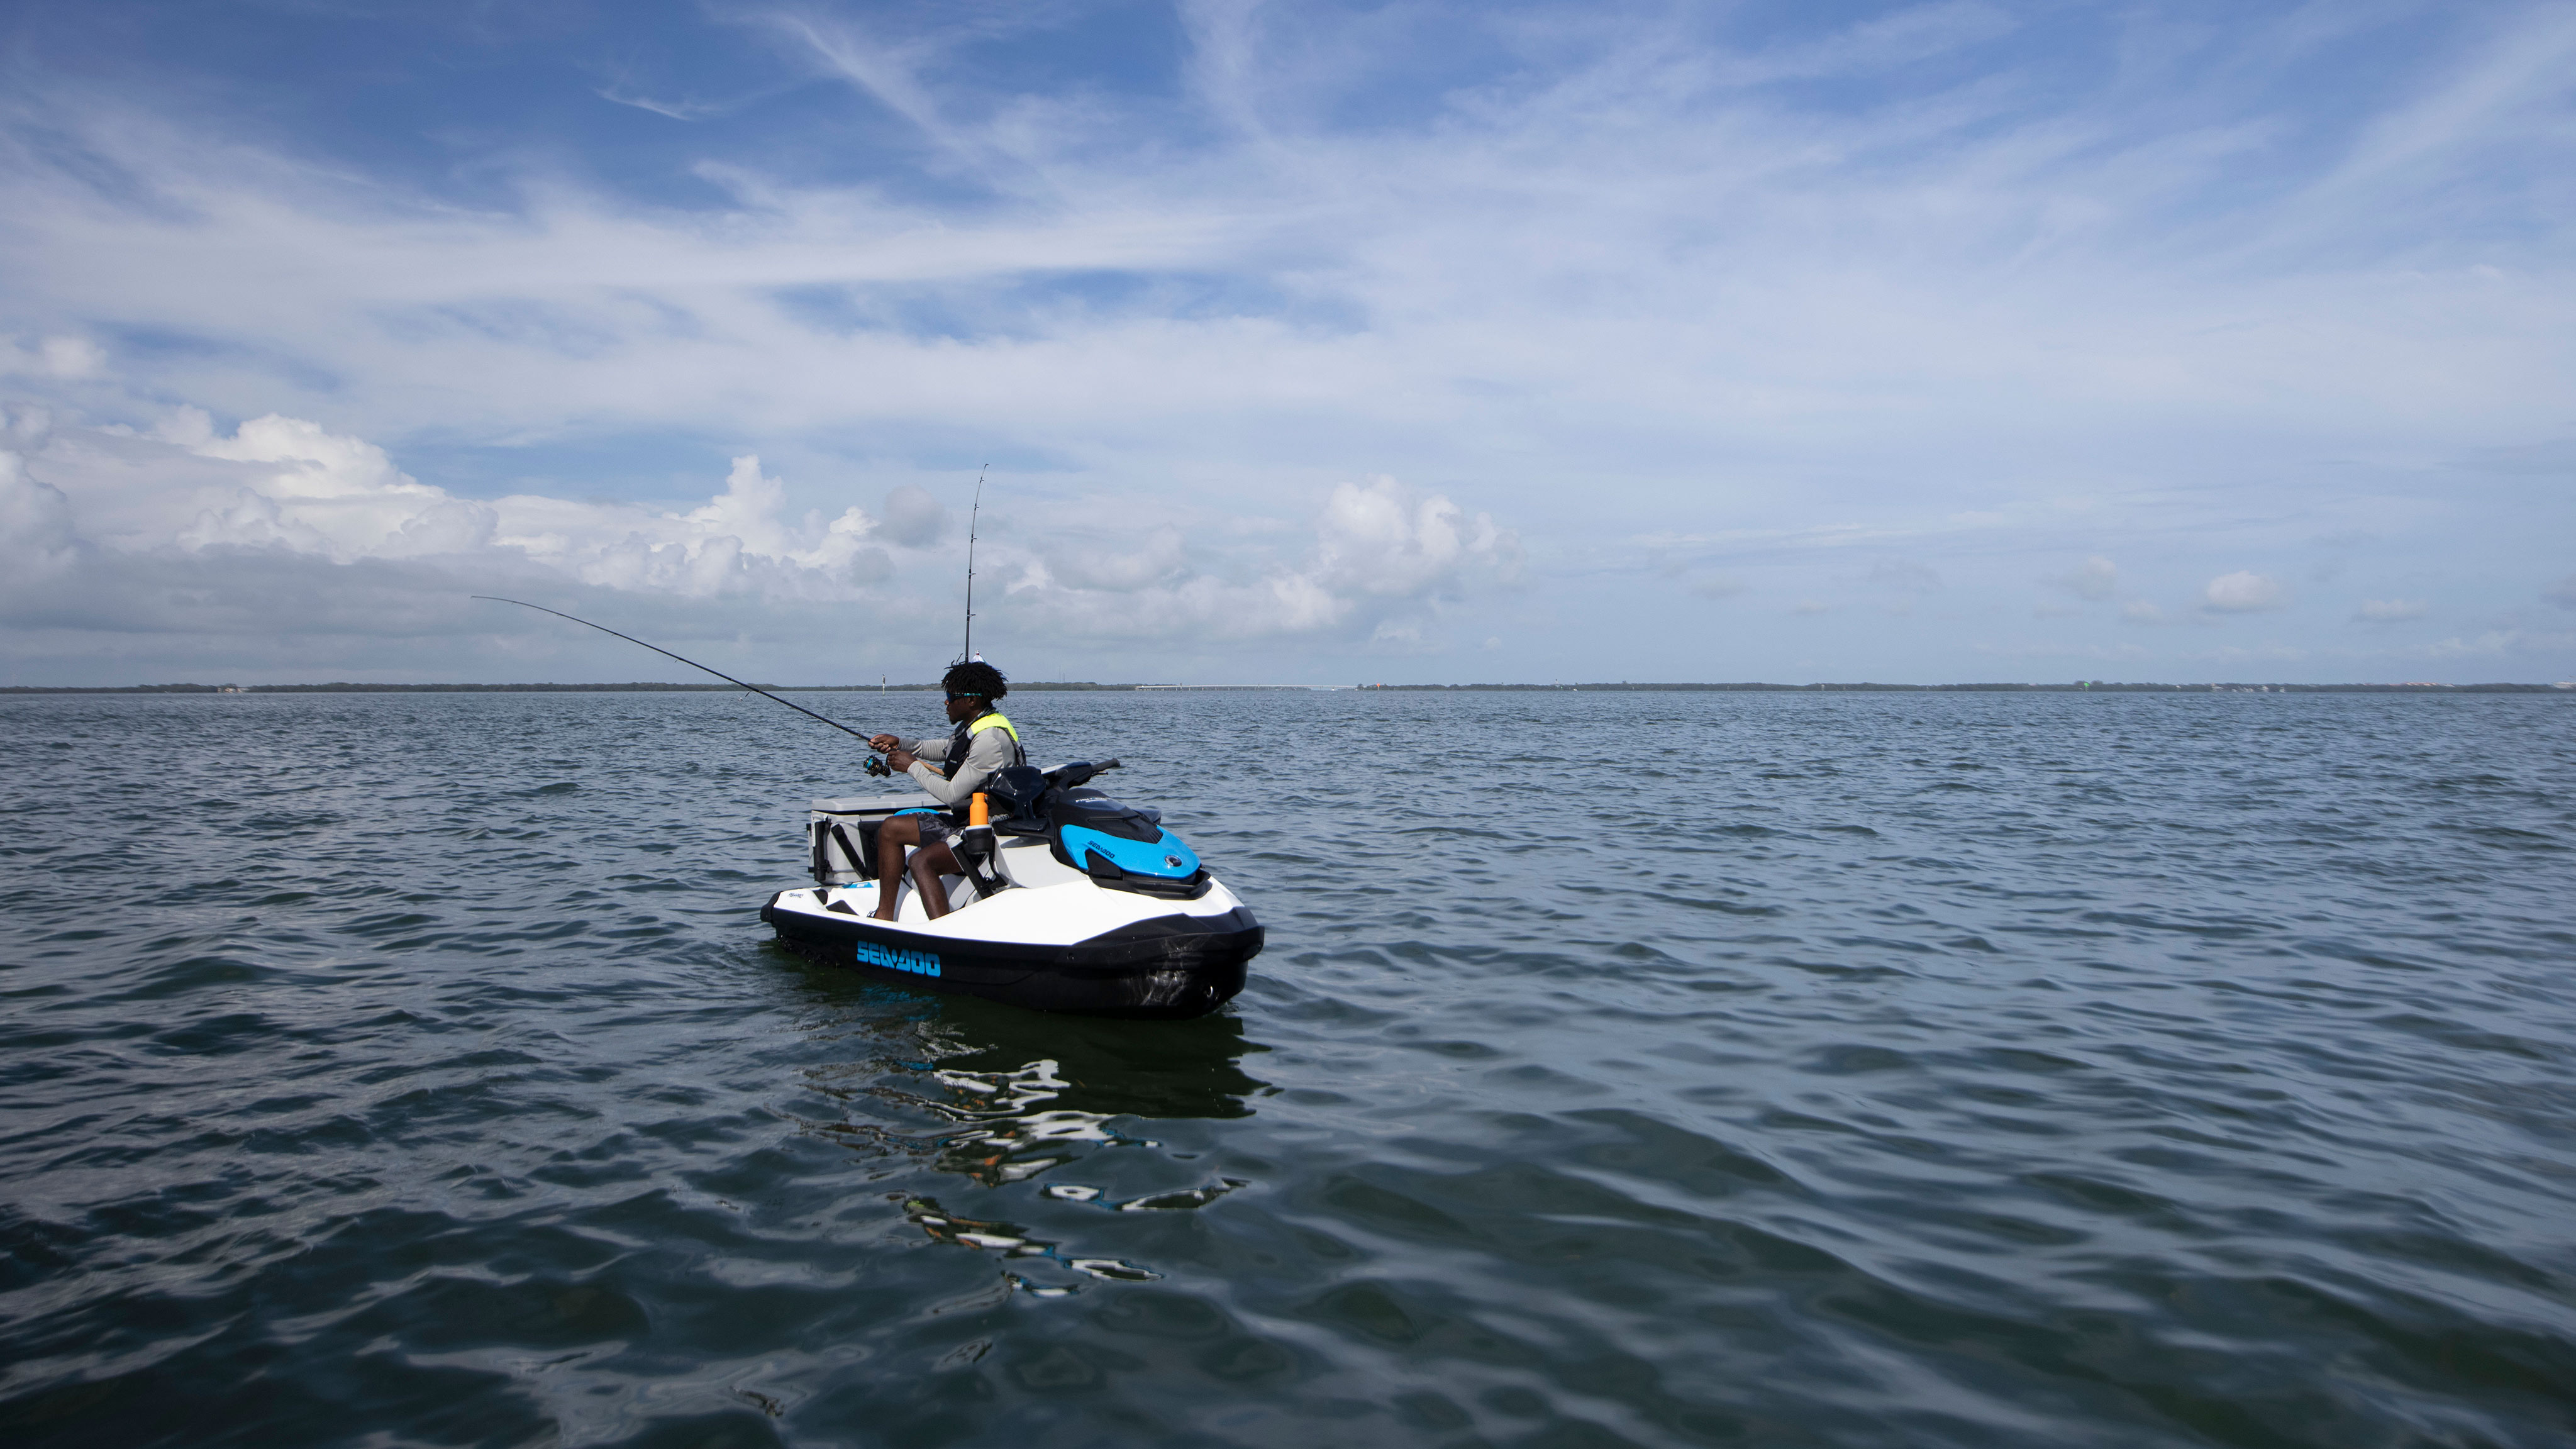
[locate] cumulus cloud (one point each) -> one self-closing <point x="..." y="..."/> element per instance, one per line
<point x="1383" y="562"/>
<point x="2242" y="592"/>
<point x="243" y="530"/>
<point x="2389" y="611"/>
<point x="286" y="485"/>
<point x="36" y="535"/>
<point x="1378" y="539"/>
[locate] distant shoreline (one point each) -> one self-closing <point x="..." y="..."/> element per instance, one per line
<point x="2093" y="687"/>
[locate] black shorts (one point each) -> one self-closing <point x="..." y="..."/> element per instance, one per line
<point x="936" y="828"/>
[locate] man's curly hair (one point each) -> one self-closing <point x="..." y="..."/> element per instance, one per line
<point x="977" y="678"/>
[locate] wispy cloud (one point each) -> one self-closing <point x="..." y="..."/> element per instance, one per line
<point x="1974" y="298"/>
<point x="679" y="110"/>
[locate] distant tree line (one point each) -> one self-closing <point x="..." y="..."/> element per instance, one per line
<point x="640" y="687"/>
<point x="2094" y="686"/>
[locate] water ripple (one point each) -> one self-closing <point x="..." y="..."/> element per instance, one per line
<point x="1841" y="1070"/>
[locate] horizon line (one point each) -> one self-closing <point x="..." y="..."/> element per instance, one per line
<point x="1077" y="686"/>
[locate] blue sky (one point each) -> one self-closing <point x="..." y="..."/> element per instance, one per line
<point x="1305" y="344"/>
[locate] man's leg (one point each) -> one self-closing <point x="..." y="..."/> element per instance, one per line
<point x="928" y="864"/>
<point x="892" y="837"/>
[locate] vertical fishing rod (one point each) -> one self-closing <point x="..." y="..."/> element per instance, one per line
<point x="971" y="520"/>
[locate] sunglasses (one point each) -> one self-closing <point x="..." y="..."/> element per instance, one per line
<point x="952" y="694"/>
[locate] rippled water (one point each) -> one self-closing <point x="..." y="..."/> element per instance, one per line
<point x="1623" y="1069"/>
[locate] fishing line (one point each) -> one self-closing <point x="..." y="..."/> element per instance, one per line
<point x="693" y="664"/>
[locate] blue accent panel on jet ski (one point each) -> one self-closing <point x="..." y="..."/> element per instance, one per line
<point x="1163" y="859"/>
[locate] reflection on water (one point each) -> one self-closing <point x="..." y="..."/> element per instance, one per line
<point x="1013" y="1241"/>
<point x="938" y="1086"/>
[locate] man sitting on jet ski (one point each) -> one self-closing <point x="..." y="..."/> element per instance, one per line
<point x="983" y="743"/>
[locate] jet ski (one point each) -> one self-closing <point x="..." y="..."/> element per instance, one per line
<point x="1071" y="901"/>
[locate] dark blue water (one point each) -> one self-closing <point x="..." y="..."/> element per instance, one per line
<point x="1623" y="1069"/>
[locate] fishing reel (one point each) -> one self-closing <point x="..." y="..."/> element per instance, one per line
<point x="878" y="766"/>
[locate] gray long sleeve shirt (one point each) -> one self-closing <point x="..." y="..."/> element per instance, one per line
<point x="988" y="751"/>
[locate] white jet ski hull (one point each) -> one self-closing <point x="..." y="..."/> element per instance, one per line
<point x="1054" y="940"/>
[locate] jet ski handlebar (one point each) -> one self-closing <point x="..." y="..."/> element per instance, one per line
<point x="1068" y="776"/>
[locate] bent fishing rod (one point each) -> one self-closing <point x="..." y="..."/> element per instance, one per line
<point x="693" y="664"/>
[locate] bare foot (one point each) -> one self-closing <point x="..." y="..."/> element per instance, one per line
<point x="882" y="916"/>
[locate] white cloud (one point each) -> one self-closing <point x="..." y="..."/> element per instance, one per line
<point x="2389" y="611"/>
<point x="2139" y="611"/>
<point x="299" y="489"/>
<point x="36" y="535"/>
<point x="2242" y="592"/>
<point x="1378" y="539"/>
<point x="1531" y="234"/>
<point x="1383" y="561"/>
<point x="2096" y="578"/>
<point x="282" y="497"/>
<point x="66" y="358"/>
